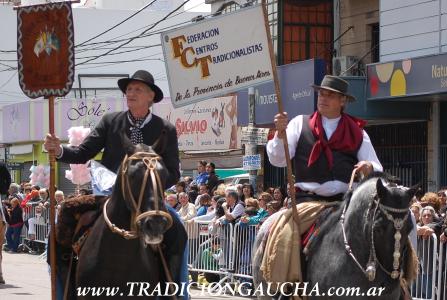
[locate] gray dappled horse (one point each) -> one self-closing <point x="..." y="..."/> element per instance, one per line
<point x="362" y="244"/>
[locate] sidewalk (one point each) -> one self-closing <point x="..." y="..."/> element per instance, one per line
<point x="27" y="277"/>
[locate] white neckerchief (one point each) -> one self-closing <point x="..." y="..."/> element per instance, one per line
<point x="329" y="125"/>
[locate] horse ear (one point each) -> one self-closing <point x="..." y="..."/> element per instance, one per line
<point x="413" y="189"/>
<point x="129" y="148"/>
<point x="381" y="189"/>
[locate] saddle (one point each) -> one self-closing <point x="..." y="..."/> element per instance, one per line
<point x="75" y="217"/>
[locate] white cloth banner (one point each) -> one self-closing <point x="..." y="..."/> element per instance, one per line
<point x="218" y="56"/>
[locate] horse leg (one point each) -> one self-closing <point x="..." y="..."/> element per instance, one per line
<point x="174" y="242"/>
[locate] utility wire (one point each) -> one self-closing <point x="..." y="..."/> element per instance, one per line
<point x="118" y="24"/>
<point x="130" y="40"/>
<point x="7" y="81"/>
<point x="360" y="59"/>
<point x="114" y="40"/>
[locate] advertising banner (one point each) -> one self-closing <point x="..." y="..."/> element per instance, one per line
<point x="408" y="77"/>
<point x="218" y="56"/>
<point x="298" y="96"/>
<point x="208" y="125"/>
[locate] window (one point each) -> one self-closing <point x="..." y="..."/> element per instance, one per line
<point x="375" y="42"/>
<point x="308" y="31"/>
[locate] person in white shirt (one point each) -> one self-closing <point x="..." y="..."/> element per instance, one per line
<point x="187" y="210"/>
<point x="325" y="146"/>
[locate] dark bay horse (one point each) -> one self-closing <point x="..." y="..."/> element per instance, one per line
<point x="361" y="248"/>
<point x="122" y="250"/>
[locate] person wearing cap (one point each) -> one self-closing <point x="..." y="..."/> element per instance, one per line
<point x="325" y="146"/>
<point x="138" y="123"/>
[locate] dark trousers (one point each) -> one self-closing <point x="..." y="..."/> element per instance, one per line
<point x="13" y="237"/>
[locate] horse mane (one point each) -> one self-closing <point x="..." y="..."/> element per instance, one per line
<point x="334" y="217"/>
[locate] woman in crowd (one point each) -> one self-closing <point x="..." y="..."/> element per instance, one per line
<point x="14" y="219"/>
<point x="247" y="191"/>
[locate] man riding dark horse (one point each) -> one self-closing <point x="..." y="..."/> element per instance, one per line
<point x="138" y="123"/>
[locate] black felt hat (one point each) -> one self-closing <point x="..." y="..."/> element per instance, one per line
<point x="144" y="77"/>
<point x="335" y="84"/>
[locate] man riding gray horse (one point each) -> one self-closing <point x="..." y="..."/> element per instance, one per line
<point x="325" y="148"/>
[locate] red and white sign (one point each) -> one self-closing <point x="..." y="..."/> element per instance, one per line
<point x="208" y="125"/>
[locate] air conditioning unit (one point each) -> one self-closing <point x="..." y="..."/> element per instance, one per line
<point x="345" y="65"/>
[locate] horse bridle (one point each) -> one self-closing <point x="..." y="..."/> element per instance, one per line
<point x="150" y="160"/>
<point x="370" y="270"/>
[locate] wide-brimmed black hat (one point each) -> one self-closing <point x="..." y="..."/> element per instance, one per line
<point x="144" y="77"/>
<point x="335" y="84"/>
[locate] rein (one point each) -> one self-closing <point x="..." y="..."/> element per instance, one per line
<point x="370" y="270"/>
<point x="150" y="160"/>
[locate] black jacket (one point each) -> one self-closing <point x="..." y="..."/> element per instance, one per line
<point x="107" y="135"/>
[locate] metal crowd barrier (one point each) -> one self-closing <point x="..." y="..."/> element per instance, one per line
<point x="221" y="252"/>
<point x="35" y="230"/>
<point x="442" y="272"/>
<point x="425" y="286"/>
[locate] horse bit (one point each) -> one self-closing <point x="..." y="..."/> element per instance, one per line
<point x="150" y="160"/>
<point x="370" y="271"/>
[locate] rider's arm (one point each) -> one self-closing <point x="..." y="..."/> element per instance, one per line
<point x="275" y="147"/>
<point x="367" y="153"/>
<point x="91" y="145"/>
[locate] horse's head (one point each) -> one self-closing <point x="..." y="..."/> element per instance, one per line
<point x="385" y="220"/>
<point x="142" y="176"/>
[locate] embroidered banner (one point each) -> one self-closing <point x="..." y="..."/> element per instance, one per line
<point x="45" y="49"/>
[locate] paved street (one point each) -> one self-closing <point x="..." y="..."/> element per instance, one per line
<point x="27" y="277"/>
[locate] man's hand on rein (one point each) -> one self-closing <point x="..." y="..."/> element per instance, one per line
<point x="364" y="168"/>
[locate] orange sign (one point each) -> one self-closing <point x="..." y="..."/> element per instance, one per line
<point x="45" y="49"/>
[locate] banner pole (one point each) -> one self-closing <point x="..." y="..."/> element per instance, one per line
<point x="290" y="178"/>
<point x="52" y="243"/>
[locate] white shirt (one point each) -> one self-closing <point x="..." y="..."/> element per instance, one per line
<point x="275" y="152"/>
<point x="187" y="212"/>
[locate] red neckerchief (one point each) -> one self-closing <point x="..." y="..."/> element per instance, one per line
<point x="347" y="137"/>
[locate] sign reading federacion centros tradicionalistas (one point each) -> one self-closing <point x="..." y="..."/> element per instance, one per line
<point x="217" y="56"/>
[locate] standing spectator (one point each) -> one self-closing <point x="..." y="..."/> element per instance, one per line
<point x="180" y="187"/>
<point x="416" y="209"/>
<point x="44" y="197"/>
<point x="432" y="200"/>
<point x="213" y="179"/>
<point x="172" y="201"/>
<point x="442" y="195"/>
<point x="193" y="193"/>
<point x="205" y="202"/>
<point x="5" y="181"/>
<point x="247" y="192"/>
<point x="203" y="189"/>
<point x="202" y="177"/>
<point x="15" y="222"/>
<point x="240" y="190"/>
<point x="262" y="213"/>
<point x="234" y="209"/>
<point x="2" y="239"/>
<point x="279" y="194"/>
<point x="14" y="189"/>
<point x="187" y="210"/>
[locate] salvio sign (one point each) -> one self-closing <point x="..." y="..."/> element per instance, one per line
<point x="297" y="94"/>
